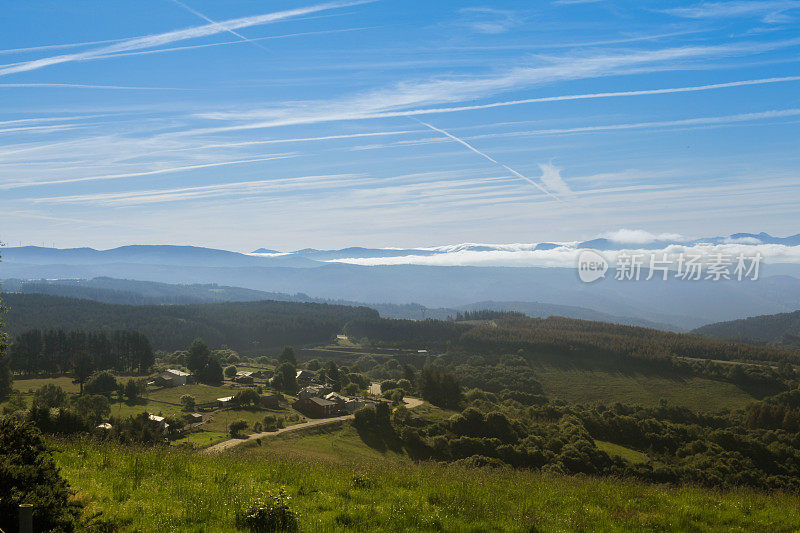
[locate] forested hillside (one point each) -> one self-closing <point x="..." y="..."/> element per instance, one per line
<point x="247" y="327"/>
<point x="781" y="329"/>
<point x="510" y="332"/>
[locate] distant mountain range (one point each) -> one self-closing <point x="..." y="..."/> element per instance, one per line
<point x="404" y="290"/>
<point x="597" y="244"/>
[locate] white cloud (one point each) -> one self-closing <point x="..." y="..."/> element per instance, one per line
<point x="551" y="177"/>
<point x="638" y="236"/>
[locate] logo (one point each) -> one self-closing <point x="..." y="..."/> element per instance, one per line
<point x="591" y="266"/>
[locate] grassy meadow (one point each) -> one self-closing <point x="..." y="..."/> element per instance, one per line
<point x="587" y="385"/>
<point x="146" y="489"/>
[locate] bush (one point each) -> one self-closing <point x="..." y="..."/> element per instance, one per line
<point x="28" y="474"/>
<point x="271" y="513"/>
<point x="230" y="372"/>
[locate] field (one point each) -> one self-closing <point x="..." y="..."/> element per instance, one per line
<point x="182" y="491"/>
<point x="582" y="385"/>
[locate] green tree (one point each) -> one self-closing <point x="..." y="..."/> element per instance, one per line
<point x="246" y="397"/>
<point x="93" y="407"/>
<point x="236" y="428"/>
<point x="230" y="372"/>
<point x="285" y="377"/>
<point x="101" y="383"/>
<point x="288" y="356"/>
<point x="82" y="367"/>
<point x="188" y="401"/>
<point x="49" y="395"/>
<point x="28" y="474"/>
<point x="134" y="389"/>
<point x="199" y="354"/>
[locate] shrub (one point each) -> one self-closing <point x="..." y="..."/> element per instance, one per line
<point x="230" y="372"/>
<point x="271" y="513"/>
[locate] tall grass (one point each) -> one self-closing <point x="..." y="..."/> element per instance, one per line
<point x="149" y="489"/>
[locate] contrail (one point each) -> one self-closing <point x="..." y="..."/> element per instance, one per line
<point x="514" y="172"/>
<point x="161" y="39"/>
<point x="232" y="32"/>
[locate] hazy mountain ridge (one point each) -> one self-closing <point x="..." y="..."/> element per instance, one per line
<point x="132" y="292"/>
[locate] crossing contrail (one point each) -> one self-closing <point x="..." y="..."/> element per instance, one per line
<point x="232" y="32"/>
<point x="485" y="156"/>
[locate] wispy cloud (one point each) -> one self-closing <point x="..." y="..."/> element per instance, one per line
<point x="771" y="11"/>
<point x="152" y="41"/>
<point x="220" y="190"/>
<point x="488" y="20"/>
<point x="86" y="86"/>
<point x="19" y="184"/>
<point x="391" y="102"/>
<point x="551" y="177"/>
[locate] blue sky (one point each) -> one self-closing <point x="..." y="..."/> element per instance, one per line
<point x="285" y="125"/>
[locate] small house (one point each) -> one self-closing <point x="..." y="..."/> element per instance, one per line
<point x="313" y="390"/>
<point x="263" y="374"/>
<point x="338" y="398"/>
<point x="161" y="421"/>
<point x="173" y="378"/>
<point x="316" y="407"/>
<point x="225" y="402"/>
<point x="193" y="418"/>
<point x="272" y="401"/>
<point x="244" y="377"/>
<point x="304" y="376"/>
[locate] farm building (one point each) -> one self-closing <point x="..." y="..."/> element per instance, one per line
<point x="316" y="407"/>
<point x="263" y="374"/>
<point x="173" y="378"/>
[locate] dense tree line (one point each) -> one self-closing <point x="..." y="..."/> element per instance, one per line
<point x="5" y="365"/>
<point x="406" y="333"/>
<point x="58" y="351"/>
<point x="247" y="327"/>
<point x="683" y="447"/>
